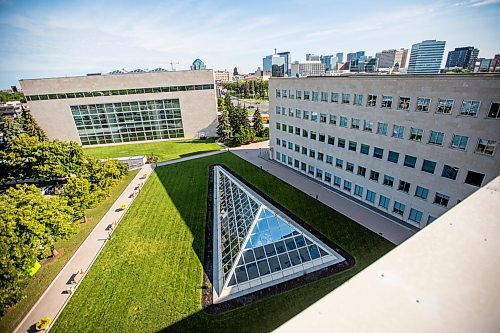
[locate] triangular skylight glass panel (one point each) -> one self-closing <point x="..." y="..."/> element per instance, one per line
<point x="255" y="244"/>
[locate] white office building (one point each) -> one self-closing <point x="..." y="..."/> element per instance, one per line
<point x="410" y="146"/>
<point x="125" y="107"/>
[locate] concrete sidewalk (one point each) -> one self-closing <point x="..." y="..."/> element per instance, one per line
<point x="390" y="230"/>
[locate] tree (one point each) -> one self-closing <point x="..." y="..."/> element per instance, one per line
<point x="10" y="128"/>
<point x="30" y="224"/>
<point x="28" y="157"/>
<point x="103" y="175"/>
<point x="238" y="118"/>
<point x="228" y="103"/>
<point x="224" y="127"/>
<point x="78" y="195"/>
<point x="31" y="127"/>
<point x="257" y="123"/>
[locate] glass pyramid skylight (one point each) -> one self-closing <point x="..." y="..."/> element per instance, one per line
<point x="256" y="245"/>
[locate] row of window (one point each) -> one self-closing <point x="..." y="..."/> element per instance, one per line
<point x="448" y="171"/>
<point x="422" y="104"/>
<point x="414" y="215"/>
<point x="128" y="122"/>
<point x="100" y="93"/>
<point x="458" y="141"/>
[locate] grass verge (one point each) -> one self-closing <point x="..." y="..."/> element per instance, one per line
<point x="149" y="277"/>
<point x="165" y="150"/>
<point x="48" y="272"/>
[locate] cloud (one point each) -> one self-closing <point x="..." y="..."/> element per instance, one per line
<point x="477" y="3"/>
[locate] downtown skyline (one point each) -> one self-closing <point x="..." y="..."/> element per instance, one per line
<point x="46" y="39"/>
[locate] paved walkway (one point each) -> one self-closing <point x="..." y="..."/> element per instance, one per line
<point x="372" y="220"/>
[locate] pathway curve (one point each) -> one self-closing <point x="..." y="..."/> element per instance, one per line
<point x="56" y="296"/>
<point x="372" y="220"/>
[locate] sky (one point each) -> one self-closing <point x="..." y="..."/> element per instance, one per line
<point x="67" y="38"/>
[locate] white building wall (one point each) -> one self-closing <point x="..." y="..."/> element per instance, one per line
<point x="483" y="88"/>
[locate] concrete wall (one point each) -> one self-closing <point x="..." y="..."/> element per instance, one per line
<point x="485" y="88"/>
<point x="198" y="107"/>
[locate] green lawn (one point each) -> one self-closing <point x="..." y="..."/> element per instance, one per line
<point x="48" y="272"/>
<point x="148" y="277"/>
<point x="165" y="150"/>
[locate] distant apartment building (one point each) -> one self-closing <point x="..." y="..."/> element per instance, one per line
<point x="222" y="76"/>
<point x="277" y="64"/>
<point x="462" y="57"/>
<point x="409" y="147"/>
<point x="308" y="68"/>
<point x="400" y="58"/>
<point x="355" y="55"/>
<point x="426" y="57"/>
<point x="198" y="65"/>
<point x="392" y="58"/>
<point x="340" y="57"/>
<point x="312" y="57"/>
<point x="287" y="62"/>
<point x="364" y="65"/>
<point x="11" y="108"/>
<point x="132" y="107"/>
<point x="386" y="58"/>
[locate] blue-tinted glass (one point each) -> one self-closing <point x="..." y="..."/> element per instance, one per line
<point x="255" y="240"/>
<point x="274" y="264"/>
<point x="259" y="253"/>
<point x="280" y="246"/>
<point x="294" y="257"/>
<point x="284" y="261"/>
<point x="304" y="254"/>
<point x="290" y="244"/>
<point x="300" y="241"/>
<point x="255" y="230"/>
<point x="270" y="250"/>
<point x="241" y="274"/>
<point x="249" y="256"/>
<point x="263" y="267"/>
<point x="240" y="262"/>
<point x="265" y="238"/>
<point x="252" y="271"/>
<point x="276" y="234"/>
<point x="265" y="213"/>
<point x="308" y="241"/>
<point x="286" y="230"/>
<point x="263" y="225"/>
<point x="232" y="282"/>
<point x="313" y="249"/>
<point x="322" y="252"/>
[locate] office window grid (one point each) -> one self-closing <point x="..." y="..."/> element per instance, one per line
<point x="128" y="121"/>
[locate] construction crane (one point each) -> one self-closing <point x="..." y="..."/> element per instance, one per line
<point x="172" y="63"/>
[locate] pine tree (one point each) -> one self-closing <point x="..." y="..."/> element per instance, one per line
<point x="257" y="122"/>
<point x="224" y="127"/>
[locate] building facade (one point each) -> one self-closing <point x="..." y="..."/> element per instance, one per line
<point x="308" y="68"/>
<point x="400" y="58"/>
<point x="407" y="146"/>
<point x="198" y="65"/>
<point x="426" y="57"/>
<point x="107" y="109"/>
<point x="386" y="58"/>
<point x="222" y="76"/>
<point x="462" y="57"/>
